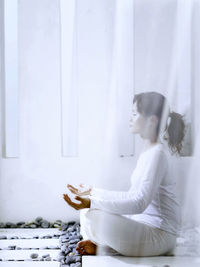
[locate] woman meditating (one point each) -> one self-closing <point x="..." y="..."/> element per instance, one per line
<point x="145" y="220"/>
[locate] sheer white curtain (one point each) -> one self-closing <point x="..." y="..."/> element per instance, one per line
<point x="138" y="46"/>
<point x="164" y="34"/>
<point x="118" y="141"/>
<point x="97" y="56"/>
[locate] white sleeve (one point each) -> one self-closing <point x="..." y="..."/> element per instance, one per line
<point x="135" y="202"/>
<point x="107" y="194"/>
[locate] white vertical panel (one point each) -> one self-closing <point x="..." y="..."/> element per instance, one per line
<point x="124" y="38"/>
<point x="11" y="78"/>
<point x="69" y="91"/>
<point x="184" y="52"/>
<point x="184" y="84"/>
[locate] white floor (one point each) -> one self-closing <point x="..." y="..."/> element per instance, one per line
<point x="187" y="253"/>
<point x="118" y="261"/>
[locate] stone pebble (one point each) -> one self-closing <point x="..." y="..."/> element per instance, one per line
<point x="68" y="239"/>
<point x="68" y="242"/>
<point x="37" y="223"/>
<point x="3" y="237"/>
<point x="34" y="255"/>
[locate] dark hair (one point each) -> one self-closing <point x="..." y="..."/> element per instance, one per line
<point x="153" y="103"/>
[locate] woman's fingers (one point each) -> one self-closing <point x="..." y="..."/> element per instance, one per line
<point x="79" y="198"/>
<point x="70" y="187"/>
<point x="73" y="204"/>
<point x="68" y="200"/>
<point x="65" y="196"/>
<point x="81" y="250"/>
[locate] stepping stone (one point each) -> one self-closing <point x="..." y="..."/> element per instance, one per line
<point x="30" y="243"/>
<point x="28" y="233"/>
<point x="25" y="254"/>
<point x="30" y="264"/>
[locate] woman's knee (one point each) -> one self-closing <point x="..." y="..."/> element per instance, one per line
<point x="93" y="213"/>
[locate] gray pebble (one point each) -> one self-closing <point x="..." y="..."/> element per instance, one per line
<point x="34" y="255"/>
<point x="75" y="241"/>
<point x="64" y="226"/>
<point x="3" y="237"/>
<point x="22" y="226"/>
<point x="55" y="225"/>
<point x="47" y="236"/>
<point x="53" y="247"/>
<point x="33" y="226"/>
<point x="8" y="225"/>
<point x="38" y="219"/>
<point x="44" y="224"/>
<point x="14" y="237"/>
<point x="2" y="225"/>
<point x="58" y="222"/>
<point x="74" y="237"/>
<point x="11" y="247"/>
<point x="70" y="229"/>
<point x="60" y="258"/>
<point x="72" y="246"/>
<point x="20" y="223"/>
<point x="70" y="260"/>
<point x="48" y="259"/>
<point x="77" y="264"/>
<point x="78" y="258"/>
<point x="64" y="240"/>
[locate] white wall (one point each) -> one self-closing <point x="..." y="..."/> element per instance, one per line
<point x="33" y="184"/>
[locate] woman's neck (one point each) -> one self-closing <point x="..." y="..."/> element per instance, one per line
<point x="147" y="144"/>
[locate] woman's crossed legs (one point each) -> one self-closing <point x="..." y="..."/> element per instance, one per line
<point x="124" y="235"/>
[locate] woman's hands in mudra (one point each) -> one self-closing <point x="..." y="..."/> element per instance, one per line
<point x="85" y="202"/>
<point x="82" y="191"/>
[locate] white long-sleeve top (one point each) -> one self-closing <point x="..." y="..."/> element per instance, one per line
<point x="151" y="198"/>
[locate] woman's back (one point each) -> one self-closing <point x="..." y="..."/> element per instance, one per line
<point x="152" y="173"/>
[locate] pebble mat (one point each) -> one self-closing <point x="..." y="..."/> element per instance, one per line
<point x="68" y="235"/>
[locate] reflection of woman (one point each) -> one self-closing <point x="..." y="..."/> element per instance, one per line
<point x="144" y="221"/>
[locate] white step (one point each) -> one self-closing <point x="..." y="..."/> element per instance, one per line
<point x="120" y="261"/>
<point x="29" y="243"/>
<point x="29" y="233"/>
<point x="25" y="254"/>
<point x="30" y="264"/>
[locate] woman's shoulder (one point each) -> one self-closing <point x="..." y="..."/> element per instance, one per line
<point x="158" y="148"/>
<point x="158" y="153"/>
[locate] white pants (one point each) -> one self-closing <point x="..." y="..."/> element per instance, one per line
<point x="124" y="235"/>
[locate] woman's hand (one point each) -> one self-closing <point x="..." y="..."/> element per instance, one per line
<point x="83" y="191"/>
<point x="85" y="202"/>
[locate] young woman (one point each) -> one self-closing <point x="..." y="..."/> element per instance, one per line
<point x="144" y="221"/>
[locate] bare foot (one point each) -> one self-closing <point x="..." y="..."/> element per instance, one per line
<point x="86" y="247"/>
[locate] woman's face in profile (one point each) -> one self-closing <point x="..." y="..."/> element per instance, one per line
<point x="137" y="121"/>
